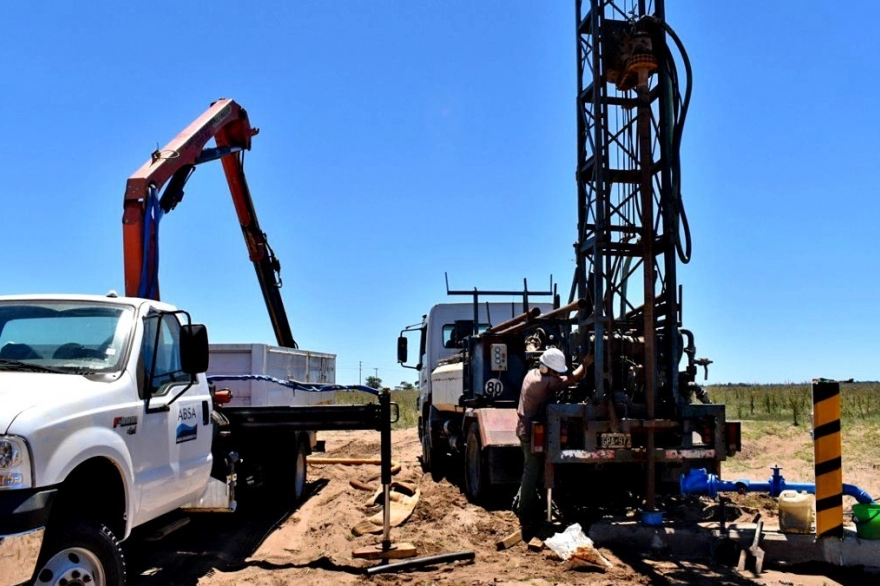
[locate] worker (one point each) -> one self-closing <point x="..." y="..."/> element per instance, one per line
<point x="538" y="389"/>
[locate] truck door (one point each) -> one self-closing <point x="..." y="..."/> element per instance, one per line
<point x="176" y="438"/>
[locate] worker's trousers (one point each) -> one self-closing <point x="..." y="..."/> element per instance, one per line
<point x="527" y="503"/>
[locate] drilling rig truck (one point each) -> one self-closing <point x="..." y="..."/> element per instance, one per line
<point x="638" y="417"/>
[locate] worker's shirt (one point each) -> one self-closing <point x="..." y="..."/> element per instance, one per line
<point x="537" y="391"/>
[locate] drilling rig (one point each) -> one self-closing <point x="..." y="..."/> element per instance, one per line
<point x="632" y="103"/>
<point x="638" y="421"/>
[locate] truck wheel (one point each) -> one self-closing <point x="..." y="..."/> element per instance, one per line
<point x="285" y="476"/>
<point x="85" y="552"/>
<point x="433" y="460"/>
<point x="476" y="480"/>
<point x="300" y="469"/>
<point x="426" y="447"/>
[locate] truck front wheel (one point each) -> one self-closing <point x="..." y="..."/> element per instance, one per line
<point x="426" y="446"/>
<point x="85" y="552"/>
<point x="433" y="460"/>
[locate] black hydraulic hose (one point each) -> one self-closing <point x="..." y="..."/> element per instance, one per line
<point x="684" y="253"/>
<point x="676" y="139"/>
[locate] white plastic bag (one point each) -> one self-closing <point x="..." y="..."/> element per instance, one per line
<point x="573" y="546"/>
<point x="563" y="544"/>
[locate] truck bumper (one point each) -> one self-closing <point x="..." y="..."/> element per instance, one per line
<point x="18" y="556"/>
<point x="23" y="516"/>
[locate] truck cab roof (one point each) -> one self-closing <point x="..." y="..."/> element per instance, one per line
<point x="110" y="299"/>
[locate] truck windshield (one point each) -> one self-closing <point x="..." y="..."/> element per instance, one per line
<point x="64" y="336"/>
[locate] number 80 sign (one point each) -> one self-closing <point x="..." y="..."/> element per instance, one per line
<point x="493" y="387"/>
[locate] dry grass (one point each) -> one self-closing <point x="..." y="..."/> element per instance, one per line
<point x="793" y="402"/>
<point x="406" y="402"/>
<point x="777" y="430"/>
<point x="770" y="435"/>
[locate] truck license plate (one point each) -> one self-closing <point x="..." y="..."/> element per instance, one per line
<point x="615" y="440"/>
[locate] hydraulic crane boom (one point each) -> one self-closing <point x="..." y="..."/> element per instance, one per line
<point x="227" y="123"/>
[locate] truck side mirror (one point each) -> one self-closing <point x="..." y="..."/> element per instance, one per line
<point x="401" y="349"/>
<point x="194" y="348"/>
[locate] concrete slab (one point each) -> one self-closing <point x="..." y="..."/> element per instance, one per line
<point x="700" y="541"/>
<point x="852" y="551"/>
<point x="684" y="541"/>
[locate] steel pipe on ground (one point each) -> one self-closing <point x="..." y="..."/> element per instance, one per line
<point x="419" y="562"/>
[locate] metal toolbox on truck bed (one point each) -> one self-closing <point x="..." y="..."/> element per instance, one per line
<point x="277" y="362"/>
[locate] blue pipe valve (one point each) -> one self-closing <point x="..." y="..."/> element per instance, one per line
<point x="699" y="481"/>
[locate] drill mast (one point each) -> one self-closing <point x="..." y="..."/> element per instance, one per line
<point x="629" y="123"/>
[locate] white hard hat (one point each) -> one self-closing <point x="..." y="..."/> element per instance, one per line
<point x="554" y="359"/>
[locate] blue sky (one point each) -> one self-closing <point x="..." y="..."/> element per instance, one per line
<point x="401" y="140"/>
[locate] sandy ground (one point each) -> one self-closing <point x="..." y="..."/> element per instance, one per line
<point x="270" y="543"/>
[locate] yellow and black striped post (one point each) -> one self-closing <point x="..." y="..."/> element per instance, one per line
<point x="827" y="458"/>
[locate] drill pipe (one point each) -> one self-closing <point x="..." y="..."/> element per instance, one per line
<point x="562" y="311"/>
<point x="566" y="309"/>
<point x="419" y="562"/>
<point x="523" y="317"/>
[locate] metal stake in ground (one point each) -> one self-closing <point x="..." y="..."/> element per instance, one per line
<point x="385" y="454"/>
<point x="386" y="549"/>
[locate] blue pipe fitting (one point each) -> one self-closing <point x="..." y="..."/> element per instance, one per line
<point x="857" y="493"/>
<point x="699" y="481"/>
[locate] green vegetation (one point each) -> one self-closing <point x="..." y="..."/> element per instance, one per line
<point x="767" y="443"/>
<point x="777" y="426"/>
<point x="779" y="406"/>
<point x="406" y="401"/>
<point x="793" y="403"/>
<point x="769" y="433"/>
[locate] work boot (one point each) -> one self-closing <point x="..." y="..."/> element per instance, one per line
<point x="530" y="530"/>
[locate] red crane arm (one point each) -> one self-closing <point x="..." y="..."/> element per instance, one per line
<point x="227" y="123"/>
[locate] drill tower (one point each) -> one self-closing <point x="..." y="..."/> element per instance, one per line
<point x="631" y="226"/>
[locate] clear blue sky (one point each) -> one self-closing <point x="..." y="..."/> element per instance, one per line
<point x="403" y="139"/>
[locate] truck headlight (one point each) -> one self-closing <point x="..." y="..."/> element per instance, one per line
<point x="10" y="453"/>
<point x="15" y="464"/>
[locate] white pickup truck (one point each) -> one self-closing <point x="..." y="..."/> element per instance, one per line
<point x="107" y="422"/>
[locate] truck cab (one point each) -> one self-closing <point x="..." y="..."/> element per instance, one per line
<point x="470" y="374"/>
<point x="441" y="338"/>
<point x="105" y="424"/>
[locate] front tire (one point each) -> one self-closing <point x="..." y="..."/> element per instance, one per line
<point x="85" y="552"/>
<point x="426" y="447"/>
<point x="433" y="459"/>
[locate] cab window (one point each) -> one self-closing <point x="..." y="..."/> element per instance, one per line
<point x="450" y="339"/>
<point x="162" y="353"/>
<point x="455" y="333"/>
